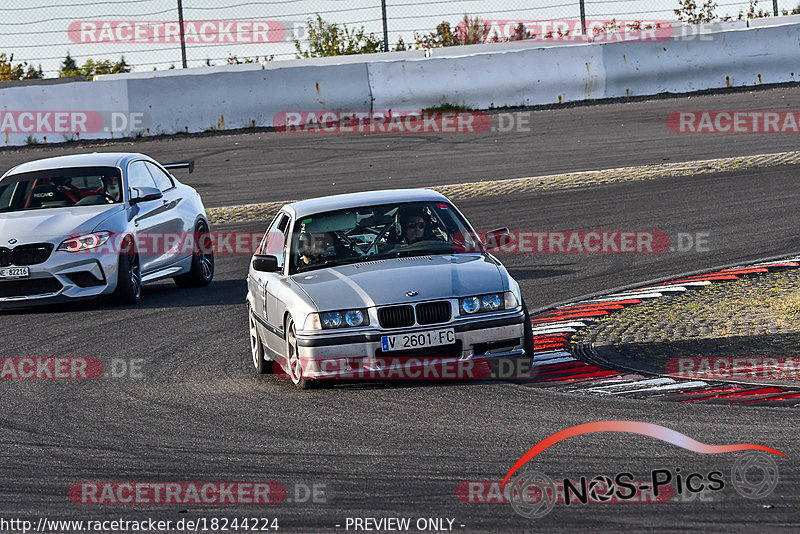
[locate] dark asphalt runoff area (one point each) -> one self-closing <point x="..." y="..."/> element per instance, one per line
<point x="198" y="411"/>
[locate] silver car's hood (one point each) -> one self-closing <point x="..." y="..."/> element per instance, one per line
<point x="52" y="224"/>
<point x="387" y="281"/>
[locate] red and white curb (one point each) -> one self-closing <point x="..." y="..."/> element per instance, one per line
<point x="557" y="364"/>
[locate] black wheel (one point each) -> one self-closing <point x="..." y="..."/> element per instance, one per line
<point x="202" y="270"/>
<point x="129" y="275"/>
<point x="256" y="348"/>
<point x="528" y="329"/>
<point x="294" y="367"/>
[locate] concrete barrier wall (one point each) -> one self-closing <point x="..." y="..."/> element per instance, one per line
<point x="731" y="59"/>
<point x="514" y="78"/>
<point x="480" y="76"/>
<point x="246" y="99"/>
<point x="49" y="103"/>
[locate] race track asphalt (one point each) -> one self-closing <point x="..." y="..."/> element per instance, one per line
<point x="400" y="449"/>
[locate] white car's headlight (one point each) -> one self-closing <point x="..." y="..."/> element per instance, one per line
<point x="337" y="319"/>
<point x="487" y="303"/>
<point x="85" y="242"/>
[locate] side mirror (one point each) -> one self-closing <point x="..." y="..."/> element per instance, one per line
<point x="494" y="239"/>
<point x="265" y="263"/>
<point x="145" y="194"/>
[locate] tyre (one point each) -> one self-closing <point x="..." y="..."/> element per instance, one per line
<point x="294" y="367"/>
<point x="129" y="275"/>
<point x="528" y="329"/>
<point x="256" y="348"/>
<point x="202" y="270"/>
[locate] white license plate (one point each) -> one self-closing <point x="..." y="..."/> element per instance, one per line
<point x="14" y="272"/>
<point x="418" y="340"/>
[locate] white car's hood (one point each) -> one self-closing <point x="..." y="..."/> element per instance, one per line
<point x="52" y="224"/>
<point x="387" y="281"/>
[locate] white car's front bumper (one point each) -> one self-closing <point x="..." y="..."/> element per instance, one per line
<point x="64" y="276"/>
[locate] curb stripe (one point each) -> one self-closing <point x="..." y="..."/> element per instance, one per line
<point x="558" y="365"/>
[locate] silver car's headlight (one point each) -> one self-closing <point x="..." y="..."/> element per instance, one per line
<point x="511" y="302"/>
<point x="487" y="303"/>
<point x="85" y="242"/>
<point x="337" y="319"/>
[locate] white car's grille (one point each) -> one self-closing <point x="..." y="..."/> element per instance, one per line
<point x="25" y="254"/>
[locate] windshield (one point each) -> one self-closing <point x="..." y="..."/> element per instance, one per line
<point x="60" y="188"/>
<point x="375" y="232"/>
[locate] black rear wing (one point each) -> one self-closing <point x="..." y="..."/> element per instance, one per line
<point x="181" y="165"/>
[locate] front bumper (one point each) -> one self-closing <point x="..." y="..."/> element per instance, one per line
<point x="359" y="355"/>
<point x="54" y="280"/>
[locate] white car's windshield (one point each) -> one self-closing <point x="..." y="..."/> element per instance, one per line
<point x="375" y="232"/>
<point x="60" y="188"/>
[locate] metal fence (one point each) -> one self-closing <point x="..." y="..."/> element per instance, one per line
<point x="148" y="33"/>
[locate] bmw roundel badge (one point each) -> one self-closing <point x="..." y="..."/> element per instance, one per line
<point x="411" y="293"/>
<point x="12" y="241"/>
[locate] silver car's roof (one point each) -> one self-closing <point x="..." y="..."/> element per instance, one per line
<point x="96" y="159"/>
<point x="355" y="200"/>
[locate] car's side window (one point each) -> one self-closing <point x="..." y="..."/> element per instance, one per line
<point x="274" y="242"/>
<point x="139" y="176"/>
<point x="163" y="180"/>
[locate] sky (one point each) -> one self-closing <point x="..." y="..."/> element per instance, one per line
<point x="41" y="32"/>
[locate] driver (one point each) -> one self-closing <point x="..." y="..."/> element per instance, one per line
<point x="315" y="247"/>
<point x="111" y="185"/>
<point x="414" y="226"/>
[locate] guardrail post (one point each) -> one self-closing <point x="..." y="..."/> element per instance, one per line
<point x="183" y="40"/>
<point x="385" y="27"/>
<point x="583" y="19"/>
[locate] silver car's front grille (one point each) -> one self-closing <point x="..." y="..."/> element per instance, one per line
<point x="433" y="312"/>
<point x="396" y="316"/>
<point x="405" y="315"/>
<point x="25" y="254"/>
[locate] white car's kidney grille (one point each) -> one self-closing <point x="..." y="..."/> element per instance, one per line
<point x="25" y="254"/>
<point x="396" y="316"/>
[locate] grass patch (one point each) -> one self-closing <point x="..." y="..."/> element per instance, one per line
<point x="446" y="106"/>
<point x="788" y="306"/>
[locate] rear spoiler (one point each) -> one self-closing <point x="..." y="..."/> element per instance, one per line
<point x="182" y="165"/>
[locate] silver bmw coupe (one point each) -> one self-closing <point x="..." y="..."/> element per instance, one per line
<point x="379" y="284"/>
<point x="81" y="226"/>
